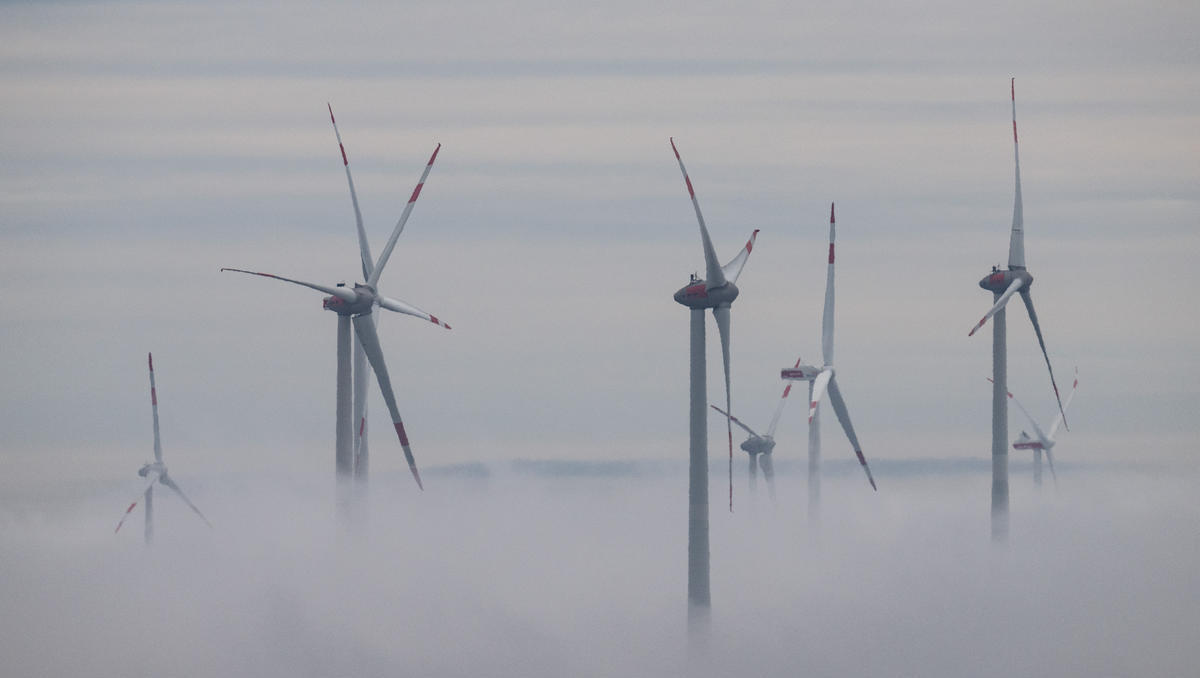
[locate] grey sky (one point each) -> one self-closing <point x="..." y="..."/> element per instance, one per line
<point x="144" y="146"/>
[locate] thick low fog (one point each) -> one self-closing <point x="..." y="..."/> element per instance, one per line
<point x="579" y="569"/>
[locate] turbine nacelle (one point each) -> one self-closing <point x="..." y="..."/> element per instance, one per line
<point x="758" y="445"/>
<point x="799" y="373"/>
<point x="697" y="295"/>
<point x="999" y="280"/>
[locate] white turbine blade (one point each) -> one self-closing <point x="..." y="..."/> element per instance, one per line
<point x="345" y="294"/>
<point x="827" y="315"/>
<point x="1037" y="328"/>
<point x="365" y="329"/>
<point x="1016" y="244"/>
<point x="1016" y="285"/>
<point x="721" y="313"/>
<point x="839" y="407"/>
<point x="363" y="247"/>
<point x="1058" y="419"/>
<point x="818" y="392"/>
<point x="154" y="409"/>
<point x="736" y="421"/>
<point x="171" y="484"/>
<point x="714" y="276"/>
<point x="734" y="268"/>
<point x="373" y="281"/>
<point x="1032" y="422"/>
<point x="779" y="408"/>
<point x="408" y="309"/>
<point x="150" y="480"/>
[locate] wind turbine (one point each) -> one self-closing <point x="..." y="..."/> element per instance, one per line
<point x="1043" y="441"/>
<point x="757" y="446"/>
<point x="355" y="307"/>
<point x="1003" y="284"/>
<point x="155" y="472"/>
<point x="821" y="380"/>
<point x="716" y="291"/>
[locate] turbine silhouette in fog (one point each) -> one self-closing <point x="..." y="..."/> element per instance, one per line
<point x="820" y="380"/>
<point x="716" y="291"/>
<point x="356" y="306"/>
<point x="1003" y="284"/>
<point x="1044" y="441"/>
<point x="155" y="472"/>
<point x="760" y="447"/>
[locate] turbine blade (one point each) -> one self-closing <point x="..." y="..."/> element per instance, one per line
<point x="386" y="254"/>
<point x="827" y="315"/>
<point x="1058" y="419"/>
<point x="1037" y="328"/>
<point x="345" y="294"/>
<point x="154" y="409"/>
<point x="1012" y="288"/>
<point x="1016" y="243"/>
<point x="839" y="407"/>
<point x="171" y="484"/>
<point x="408" y="309"/>
<point x="361" y="381"/>
<point x="768" y="469"/>
<point x="363" y="248"/>
<point x="365" y="329"/>
<point x="733" y="269"/>
<point x="714" y="276"/>
<point x="150" y="479"/>
<point x="721" y="313"/>
<point x="736" y="421"/>
<point x="1050" y="460"/>
<point x="818" y="391"/>
<point x="779" y="408"/>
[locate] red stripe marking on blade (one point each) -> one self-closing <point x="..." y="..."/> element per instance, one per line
<point x="434" y="156"/>
<point x="416" y="192"/>
<point x="831" y="253"/>
<point x="400" y="432"/>
<point x="345" y="161"/>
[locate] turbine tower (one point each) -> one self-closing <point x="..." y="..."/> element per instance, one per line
<point x="356" y="307"/>
<point x="1003" y="284"/>
<point x="155" y="472"/>
<point x="716" y="290"/>
<point x="759" y="447"/>
<point x="821" y="380"/>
